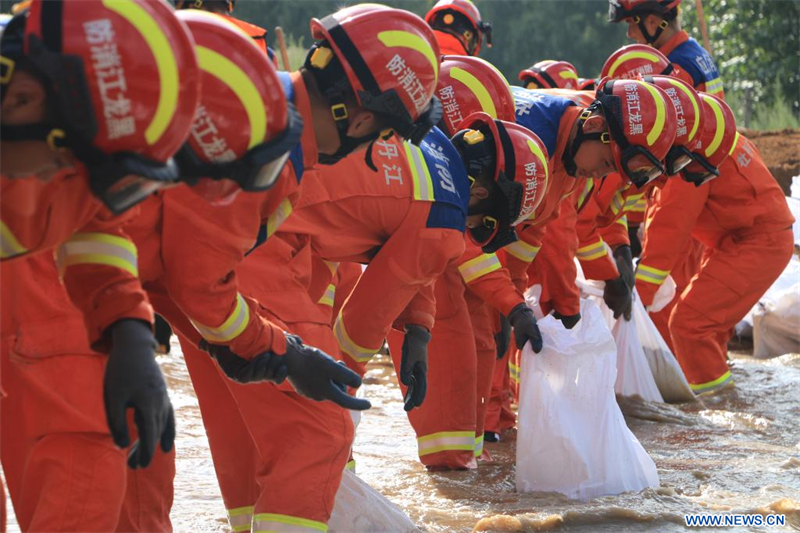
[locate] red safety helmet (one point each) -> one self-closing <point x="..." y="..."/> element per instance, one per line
<point x="462" y="20"/>
<point x="637" y="11"/>
<point x="641" y="124"/>
<point x="390" y="59"/>
<point x="123" y="81"/>
<point x="516" y="160"/>
<point x="716" y="142"/>
<point x="689" y="113"/>
<point x="470" y="85"/>
<point x="634" y="61"/>
<point x="245" y="127"/>
<point x="550" y="74"/>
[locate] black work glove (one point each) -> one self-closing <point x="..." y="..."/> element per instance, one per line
<point x="134" y="380"/>
<point x="525" y="328"/>
<point x="617" y="296"/>
<point x="266" y="366"/>
<point x="414" y="365"/>
<point x="636" y="244"/>
<point x="624" y="260"/>
<point x="569" y="321"/>
<point x="316" y="375"/>
<point x="503" y="337"/>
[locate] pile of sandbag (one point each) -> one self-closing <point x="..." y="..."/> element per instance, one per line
<point x="776" y="317"/>
<point x="361" y="509"/>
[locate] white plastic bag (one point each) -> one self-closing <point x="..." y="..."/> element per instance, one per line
<point x="776" y="324"/>
<point x="593" y="290"/>
<point x="572" y="437"/>
<point x="361" y="509"/>
<point x="666" y="371"/>
<point x="664" y="295"/>
<point x="634" y="377"/>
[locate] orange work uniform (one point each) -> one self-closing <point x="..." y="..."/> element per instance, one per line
<point x="744" y="222"/>
<point x="64" y="471"/>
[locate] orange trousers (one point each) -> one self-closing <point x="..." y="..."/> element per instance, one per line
<point x="445" y="422"/>
<point x="64" y="472"/>
<point x="482" y="320"/>
<point x="499" y="415"/>
<point x="732" y="278"/>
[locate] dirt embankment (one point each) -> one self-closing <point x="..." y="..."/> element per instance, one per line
<point x="781" y="153"/>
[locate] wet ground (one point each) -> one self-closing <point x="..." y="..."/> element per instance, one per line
<point x="735" y="452"/>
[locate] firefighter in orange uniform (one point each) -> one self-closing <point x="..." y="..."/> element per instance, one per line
<point x="458" y="27"/>
<point x="225" y="9"/>
<point x="742" y="219"/>
<point x="66" y="173"/>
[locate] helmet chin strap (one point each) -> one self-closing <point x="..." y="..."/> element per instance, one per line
<point x="651" y="39"/>
<point x="41" y="131"/>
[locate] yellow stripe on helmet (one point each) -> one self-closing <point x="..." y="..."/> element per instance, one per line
<point x="242" y="86"/>
<point x="720" y="119"/>
<point x="166" y="64"/>
<point x="568" y="75"/>
<point x="537" y="151"/>
<point x="631" y="55"/>
<point x="404" y="39"/>
<point x="695" y="105"/>
<point x="661" y="114"/>
<point x="474" y="85"/>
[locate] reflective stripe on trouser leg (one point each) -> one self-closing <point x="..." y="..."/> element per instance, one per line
<point x="716" y="384"/>
<point x="98" y="249"/>
<point x="513" y="371"/>
<point x="241" y="518"/>
<point x="478" y="445"/>
<point x="281" y="523"/>
<point x="446" y="440"/>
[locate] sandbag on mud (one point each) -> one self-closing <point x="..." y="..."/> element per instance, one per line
<point x="361" y="509"/>
<point x="776" y="324"/>
<point x="666" y="370"/>
<point x="572" y="437"/>
<point x="634" y="377"/>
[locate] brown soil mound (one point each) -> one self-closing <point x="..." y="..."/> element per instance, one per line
<point x="781" y="153"/>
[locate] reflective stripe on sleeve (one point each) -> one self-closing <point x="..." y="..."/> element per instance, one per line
<point x="651" y="275"/>
<point x="617" y="203"/>
<point x="585" y="193"/>
<point x="479" y="266"/>
<point x="281" y="523"/>
<point x="718" y="383"/>
<point x="714" y="86"/>
<point x="233" y="326"/>
<point x="420" y="175"/>
<point x="446" y="441"/>
<point x="9" y="245"/>
<point x="641" y="205"/>
<point x="592" y="252"/>
<point x="98" y="249"/>
<point x="623" y="221"/>
<point x="278" y="217"/>
<point x="240" y="518"/>
<point x="632" y="201"/>
<point x="327" y="298"/>
<point x="523" y="251"/>
<point x="346" y="344"/>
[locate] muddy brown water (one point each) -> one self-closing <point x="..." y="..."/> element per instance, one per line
<point x="735" y="452"/>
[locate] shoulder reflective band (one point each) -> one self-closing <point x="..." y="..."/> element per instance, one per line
<point x="278" y="217"/>
<point x="478" y="446"/>
<point x="233" y="326"/>
<point x="357" y="353"/>
<point x="585" y="193"/>
<point x="651" y="275"/>
<point x="167" y="67"/>
<point x="630" y="55"/>
<point x="592" y="251"/>
<point x="98" y="249"/>
<point x="631" y="201"/>
<point x="622" y="222"/>
<point x="523" y="251"/>
<point x="231" y="75"/>
<point x="282" y="523"/>
<point x="240" y="518"/>
<point x="513" y="372"/>
<point x="9" y="245"/>
<point x="695" y="106"/>
<point x="661" y="114"/>
<point x="714" y="86"/>
<point x="477" y="88"/>
<point x="330" y="294"/>
<point x="420" y="175"/>
<point x="641" y="205"/>
<point x="719" y="118"/>
<point x="617" y="203"/>
<point x="446" y="441"/>
<point x="479" y="267"/>
<point x="405" y="39"/>
<point x="718" y="383"/>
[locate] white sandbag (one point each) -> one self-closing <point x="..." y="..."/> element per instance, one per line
<point x="593" y="291"/>
<point x="533" y="298"/>
<point x="572" y="437"/>
<point x="776" y="325"/>
<point x="634" y="377"/>
<point x="361" y="509"/>
<point x="664" y="295"/>
<point x="666" y="371"/>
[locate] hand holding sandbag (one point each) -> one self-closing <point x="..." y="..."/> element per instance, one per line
<point x="617" y="296"/>
<point x="414" y="365"/>
<point x="503" y="337"/>
<point x="569" y="321"/>
<point x="525" y="328"/>
<point x="624" y="260"/>
<point x="133" y="379"/>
